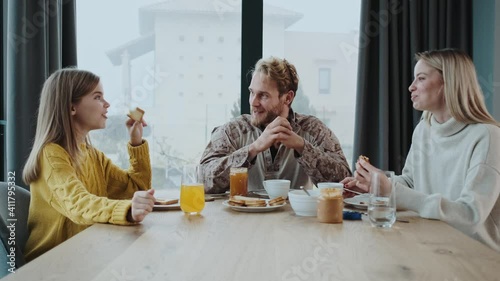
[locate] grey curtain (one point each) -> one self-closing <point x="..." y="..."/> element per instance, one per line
<point x="41" y="39"/>
<point x="3" y="100"/>
<point x="391" y="32"/>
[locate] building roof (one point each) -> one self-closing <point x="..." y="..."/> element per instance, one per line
<point x="135" y="48"/>
<point x="145" y="43"/>
<point x="207" y="7"/>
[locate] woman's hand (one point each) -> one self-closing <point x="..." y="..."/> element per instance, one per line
<point x="142" y="204"/>
<point x="350" y="183"/>
<point x="362" y="177"/>
<point x="363" y="173"/>
<point x="135" y="131"/>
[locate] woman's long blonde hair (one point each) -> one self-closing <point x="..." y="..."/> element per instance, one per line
<point x="463" y="95"/>
<point x="60" y="91"/>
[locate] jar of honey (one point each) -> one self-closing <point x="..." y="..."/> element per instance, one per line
<point x="330" y="205"/>
<point x="238" y="181"/>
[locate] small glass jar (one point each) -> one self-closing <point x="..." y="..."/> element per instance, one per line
<point x="330" y="205"/>
<point x="238" y="181"/>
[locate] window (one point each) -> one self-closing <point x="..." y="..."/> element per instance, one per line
<point x="319" y="40"/>
<point x="324" y="79"/>
<point x="164" y="48"/>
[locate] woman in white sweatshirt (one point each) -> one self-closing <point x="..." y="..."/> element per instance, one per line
<point x="452" y="171"/>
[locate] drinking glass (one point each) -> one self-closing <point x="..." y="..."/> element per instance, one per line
<point x="382" y="202"/>
<point x="192" y="190"/>
<point x="238" y="181"/>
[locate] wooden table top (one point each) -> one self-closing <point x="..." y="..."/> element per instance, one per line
<point x="226" y="245"/>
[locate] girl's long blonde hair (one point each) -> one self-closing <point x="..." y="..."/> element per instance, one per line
<point x="60" y="91"/>
<point x="463" y="95"/>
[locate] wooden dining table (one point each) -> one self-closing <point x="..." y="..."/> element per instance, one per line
<point x="223" y="244"/>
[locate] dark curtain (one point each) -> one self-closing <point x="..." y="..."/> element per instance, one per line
<point x="3" y="99"/>
<point x="41" y="39"/>
<point x="391" y="32"/>
<point x="252" y="14"/>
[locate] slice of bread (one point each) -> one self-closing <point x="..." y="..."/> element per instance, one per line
<point x="235" y="202"/>
<point x="246" y="201"/>
<point x="161" y="201"/>
<point x="364" y="158"/>
<point x="256" y="203"/>
<point x="136" y="114"/>
<point x="276" y="201"/>
<point x="244" y="198"/>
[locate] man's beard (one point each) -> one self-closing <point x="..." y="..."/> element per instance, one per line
<point x="269" y="117"/>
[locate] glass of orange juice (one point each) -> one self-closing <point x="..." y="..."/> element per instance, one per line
<point x="192" y="190"/>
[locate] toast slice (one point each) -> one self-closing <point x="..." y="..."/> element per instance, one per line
<point x="256" y="203"/>
<point x="276" y="201"/>
<point x="364" y="158"/>
<point x="136" y="114"/>
<point x="245" y="198"/>
<point x="160" y="201"/>
<point x="247" y="201"/>
<point x="235" y="202"/>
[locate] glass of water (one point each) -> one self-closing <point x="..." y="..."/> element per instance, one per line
<point x="382" y="202"/>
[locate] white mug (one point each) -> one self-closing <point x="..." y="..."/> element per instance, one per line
<point x="277" y="188"/>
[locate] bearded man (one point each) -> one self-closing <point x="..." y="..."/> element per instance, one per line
<point x="274" y="141"/>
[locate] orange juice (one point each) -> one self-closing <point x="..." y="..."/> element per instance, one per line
<point x="192" y="198"/>
<point x="238" y="181"/>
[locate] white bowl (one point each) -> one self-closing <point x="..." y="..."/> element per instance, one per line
<point x="302" y="204"/>
<point x="277" y="188"/>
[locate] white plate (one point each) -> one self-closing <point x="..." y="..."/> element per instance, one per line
<point x="260" y="192"/>
<point x="253" y="209"/>
<point x="358" y="201"/>
<point x="219" y="195"/>
<point x="176" y="206"/>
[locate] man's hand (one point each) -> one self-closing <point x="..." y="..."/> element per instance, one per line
<point x="277" y="132"/>
<point x="142" y="204"/>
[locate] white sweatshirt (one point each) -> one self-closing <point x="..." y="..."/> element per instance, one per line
<point x="452" y="173"/>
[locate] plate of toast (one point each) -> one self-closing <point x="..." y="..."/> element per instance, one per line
<point x="254" y="205"/>
<point x="162" y="204"/>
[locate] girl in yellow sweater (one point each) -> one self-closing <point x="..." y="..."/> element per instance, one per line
<point x="73" y="185"/>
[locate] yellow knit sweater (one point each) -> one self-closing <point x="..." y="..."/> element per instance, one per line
<point x="65" y="202"/>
